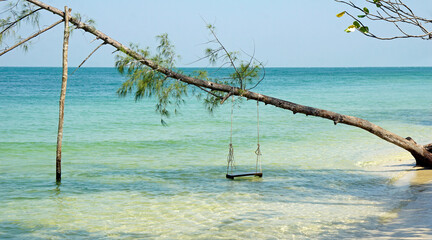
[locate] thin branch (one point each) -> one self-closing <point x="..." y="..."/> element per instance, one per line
<point x="400" y="29"/>
<point x="369" y="34"/>
<point x="262" y="78"/>
<point x="206" y="43"/>
<point x="199" y="59"/>
<point x="401" y="16"/>
<point x="12" y="7"/>
<point x="229" y="57"/>
<point x="209" y="92"/>
<point x="94" y="40"/>
<point x="87" y="57"/>
<point x="252" y="57"/>
<point x="206" y="56"/>
<point x="394" y="12"/>
<point x="31" y="37"/>
<point x="220" y="67"/>
<point x="226" y="97"/>
<point x="19" y="19"/>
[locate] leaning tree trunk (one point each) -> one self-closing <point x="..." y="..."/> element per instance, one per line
<point x="421" y="154"/>
<point x="62" y="95"/>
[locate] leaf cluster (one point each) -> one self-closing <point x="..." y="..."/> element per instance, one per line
<point x="83" y="18"/>
<point x="13" y="15"/>
<point x="146" y="82"/>
<point x="243" y="73"/>
<point x="394" y="12"/>
<point x="356" y="25"/>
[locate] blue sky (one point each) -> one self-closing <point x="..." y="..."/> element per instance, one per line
<point x="283" y="33"/>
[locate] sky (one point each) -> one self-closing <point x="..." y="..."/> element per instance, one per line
<point x="281" y="33"/>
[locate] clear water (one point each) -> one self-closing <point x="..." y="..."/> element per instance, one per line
<point x="126" y="176"/>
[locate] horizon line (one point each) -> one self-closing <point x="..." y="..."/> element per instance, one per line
<point x="229" y="67"/>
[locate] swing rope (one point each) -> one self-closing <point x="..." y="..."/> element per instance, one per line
<point x="230" y="158"/>
<point x="258" y="150"/>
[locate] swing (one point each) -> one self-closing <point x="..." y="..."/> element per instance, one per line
<point x="230" y="159"/>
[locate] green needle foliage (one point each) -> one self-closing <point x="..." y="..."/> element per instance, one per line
<point x="145" y="82"/>
<point x="84" y="19"/>
<point x="15" y="13"/>
<point x="242" y="73"/>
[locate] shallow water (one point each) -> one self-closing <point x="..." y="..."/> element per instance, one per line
<point x="127" y="176"/>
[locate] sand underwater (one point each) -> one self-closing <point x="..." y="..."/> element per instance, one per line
<point x="126" y="176"/>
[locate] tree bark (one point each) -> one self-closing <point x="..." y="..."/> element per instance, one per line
<point x="421" y="154"/>
<point x="62" y="94"/>
<point x="428" y="147"/>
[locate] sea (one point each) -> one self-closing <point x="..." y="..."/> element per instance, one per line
<point x="127" y="176"/>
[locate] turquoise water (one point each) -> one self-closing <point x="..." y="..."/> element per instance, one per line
<point x="127" y="176"/>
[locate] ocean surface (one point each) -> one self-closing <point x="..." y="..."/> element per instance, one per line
<point x="127" y="176"/>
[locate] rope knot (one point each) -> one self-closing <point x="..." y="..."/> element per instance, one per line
<point x="258" y="150"/>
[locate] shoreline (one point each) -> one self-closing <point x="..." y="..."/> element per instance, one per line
<point x="413" y="220"/>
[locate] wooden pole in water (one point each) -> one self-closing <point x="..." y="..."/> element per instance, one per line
<point x="62" y="94"/>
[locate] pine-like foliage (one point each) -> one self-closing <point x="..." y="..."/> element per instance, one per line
<point x="145" y="82"/>
<point x="13" y="15"/>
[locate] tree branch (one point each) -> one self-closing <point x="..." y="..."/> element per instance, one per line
<point x="209" y="92"/>
<point x="31" y="37"/>
<point x="19" y="19"/>
<point x="226" y="97"/>
<point x="395" y="12"/>
<point x="229" y="57"/>
<point x="87" y="57"/>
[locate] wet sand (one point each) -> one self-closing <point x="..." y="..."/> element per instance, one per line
<point x="414" y="219"/>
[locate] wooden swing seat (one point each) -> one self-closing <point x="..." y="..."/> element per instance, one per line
<point x="230" y="157"/>
<point x="256" y="174"/>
